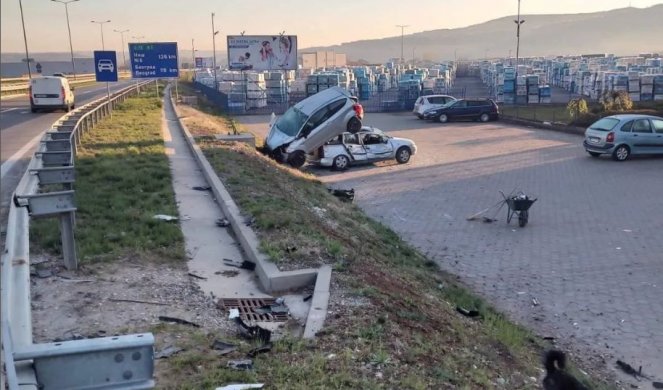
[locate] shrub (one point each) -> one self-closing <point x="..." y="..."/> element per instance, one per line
<point x="616" y="101"/>
<point x="577" y="107"/>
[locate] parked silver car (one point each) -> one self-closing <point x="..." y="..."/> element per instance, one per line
<point x="430" y="102"/>
<point x="623" y="135"/>
<point x="367" y="146"/>
<point x="310" y="123"/>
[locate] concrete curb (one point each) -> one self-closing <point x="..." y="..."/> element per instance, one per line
<point x="271" y="279"/>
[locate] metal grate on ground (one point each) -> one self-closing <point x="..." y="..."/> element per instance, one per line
<point x="247" y="307"/>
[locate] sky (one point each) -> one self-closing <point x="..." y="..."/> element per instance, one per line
<point x="315" y="22"/>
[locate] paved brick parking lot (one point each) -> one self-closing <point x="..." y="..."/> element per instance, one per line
<point x="591" y="256"/>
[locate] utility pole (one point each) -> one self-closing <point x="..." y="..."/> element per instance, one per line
<point x="193" y="55"/>
<point x="25" y="39"/>
<point x="71" y="47"/>
<point x="124" y="56"/>
<point x="518" y="23"/>
<point x="402" y="27"/>
<point x="214" y="32"/>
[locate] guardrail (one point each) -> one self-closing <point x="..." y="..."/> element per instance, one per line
<point x="121" y="362"/>
<point x="20" y="85"/>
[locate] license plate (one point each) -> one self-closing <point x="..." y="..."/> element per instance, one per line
<point x="45" y="95"/>
<point x="595" y="140"/>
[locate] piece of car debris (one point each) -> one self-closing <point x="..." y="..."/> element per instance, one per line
<point x="228" y="273"/>
<point x="262" y="349"/>
<point x="164" y="217"/>
<point x="196" y="276"/>
<point x="657" y="385"/>
<point x="202" y="188"/>
<point x="253" y="332"/>
<point x="488" y="220"/>
<point x="627" y="368"/>
<point x="250" y="221"/>
<point x="242" y="365"/>
<point x="178" y="321"/>
<point x="343" y="195"/>
<point x="223" y="347"/>
<point x="222" y="222"/>
<point x="242" y="386"/>
<point x="240" y="264"/>
<point x="308" y="297"/>
<point x="167" y="352"/>
<point x="467" y="313"/>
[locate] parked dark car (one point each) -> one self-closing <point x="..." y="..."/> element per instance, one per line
<point x="465" y="109"/>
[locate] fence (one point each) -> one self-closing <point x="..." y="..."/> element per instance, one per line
<point x="87" y="363"/>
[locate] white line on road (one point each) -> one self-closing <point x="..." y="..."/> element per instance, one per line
<point x="11" y="161"/>
<point x="24" y="112"/>
<point x="9" y="109"/>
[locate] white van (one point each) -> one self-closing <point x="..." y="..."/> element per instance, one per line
<point x="51" y="93"/>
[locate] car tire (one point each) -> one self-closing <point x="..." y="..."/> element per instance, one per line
<point x="484" y="117"/>
<point x="33" y="110"/>
<point x="354" y="125"/>
<point x="341" y="162"/>
<point x="297" y="159"/>
<point x="420" y="116"/>
<point x="403" y="154"/>
<point x="593" y="154"/>
<point x="621" y="153"/>
<point x="443" y="118"/>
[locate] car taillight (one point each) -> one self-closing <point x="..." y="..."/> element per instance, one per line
<point x="62" y="92"/>
<point x="359" y="110"/>
<point x="610" y="137"/>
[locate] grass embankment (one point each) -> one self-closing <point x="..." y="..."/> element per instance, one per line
<point x="393" y="321"/>
<point x="122" y="180"/>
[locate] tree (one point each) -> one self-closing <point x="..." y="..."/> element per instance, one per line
<point x="577" y="107"/>
<point x="616" y="101"/>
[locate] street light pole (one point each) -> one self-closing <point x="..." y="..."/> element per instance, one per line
<point x="139" y="38"/>
<point x="124" y="56"/>
<point x="518" y="23"/>
<point x="402" y="26"/>
<point x="25" y="39"/>
<point x="71" y="47"/>
<point x="193" y="55"/>
<point x="214" y="32"/>
<point x="101" y="26"/>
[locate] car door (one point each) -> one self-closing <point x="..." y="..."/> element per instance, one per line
<point x="458" y="110"/>
<point x="657" y="125"/>
<point x="377" y="146"/>
<point x="320" y="127"/>
<point x="641" y="138"/>
<point x="354" y="147"/>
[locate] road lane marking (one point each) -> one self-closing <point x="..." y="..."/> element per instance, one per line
<point x="8" y="109"/>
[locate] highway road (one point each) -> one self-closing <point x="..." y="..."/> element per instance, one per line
<point x="20" y="131"/>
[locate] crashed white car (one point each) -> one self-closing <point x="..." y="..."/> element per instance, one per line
<point x="367" y="146"/>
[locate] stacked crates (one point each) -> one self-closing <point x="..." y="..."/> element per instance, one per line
<point x="509" y="88"/>
<point x="658" y="87"/>
<point x="647" y="88"/>
<point x="545" y="94"/>
<point x="277" y="91"/>
<point x="256" y="90"/>
<point x="408" y="92"/>
<point x="521" y="90"/>
<point x="634" y="86"/>
<point x="532" y="89"/>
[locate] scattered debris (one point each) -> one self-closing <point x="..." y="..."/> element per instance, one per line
<point x="167" y="352"/>
<point x="137" y="301"/>
<point x="250" y="221"/>
<point x="202" y="188"/>
<point x="44" y="273"/>
<point x="196" y="276"/>
<point x="262" y="349"/>
<point x="243" y="365"/>
<point x="627" y="368"/>
<point x="467" y="313"/>
<point x="308" y="297"/>
<point x="228" y="273"/>
<point x="178" y="321"/>
<point x="223" y="347"/>
<point x="242" y="386"/>
<point x="222" y="222"/>
<point x="535" y="302"/>
<point x="243" y="264"/>
<point x="277" y="308"/>
<point x="233" y="313"/>
<point x="253" y="332"/>
<point x="164" y="217"/>
<point x="291" y="249"/>
<point x="549" y="338"/>
<point x="343" y="195"/>
<point x="489" y="220"/>
<point x="657" y="385"/>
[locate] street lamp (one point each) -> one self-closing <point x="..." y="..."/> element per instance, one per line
<point x="124" y="57"/>
<point x="402" y="27"/>
<point x="71" y="47"/>
<point x="138" y="38"/>
<point x="101" y="26"/>
<point x="193" y="55"/>
<point x="518" y="22"/>
<point x="214" y="32"/>
<point x="25" y="39"/>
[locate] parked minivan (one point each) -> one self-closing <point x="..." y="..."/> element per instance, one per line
<point x="310" y="123"/>
<point x="429" y="102"/>
<point x="51" y="93"/>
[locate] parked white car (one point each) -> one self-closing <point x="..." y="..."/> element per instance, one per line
<point x="367" y="146"/>
<point x="430" y="102"/>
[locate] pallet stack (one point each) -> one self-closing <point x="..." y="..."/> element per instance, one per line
<point x="277" y="91"/>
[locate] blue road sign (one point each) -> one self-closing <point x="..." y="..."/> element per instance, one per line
<point x="105" y="66"/>
<point x="154" y="60"/>
<point x="199" y="62"/>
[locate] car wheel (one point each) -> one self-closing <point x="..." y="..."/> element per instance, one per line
<point x="403" y="154"/>
<point x="621" y="153"/>
<point x="484" y="117"/>
<point x="354" y="125"/>
<point x="420" y="116"/>
<point x="297" y="159"/>
<point x="443" y="118"/>
<point x="593" y="154"/>
<point x="33" y="110"/>
<point x="341" y="162"/>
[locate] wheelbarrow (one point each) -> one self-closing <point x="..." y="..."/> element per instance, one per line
<point x="518" y="205"/>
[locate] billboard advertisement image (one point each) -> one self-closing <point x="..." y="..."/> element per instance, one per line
<point x="262" y="52"/>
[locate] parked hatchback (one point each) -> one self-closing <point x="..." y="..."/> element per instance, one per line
<point x="465" y="109"/>
<point x="429" y="102"/>
<point x="310" y="123"/>
<point x="623" y="135"/>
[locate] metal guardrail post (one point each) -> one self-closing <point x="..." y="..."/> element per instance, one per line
<point x="68" y="242"/>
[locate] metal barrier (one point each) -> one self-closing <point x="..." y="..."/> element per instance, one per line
<point x="32" y="366"/>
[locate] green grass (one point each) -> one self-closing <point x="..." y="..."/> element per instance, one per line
<point x="538" y="112"/>
<point x="122" y="180"/>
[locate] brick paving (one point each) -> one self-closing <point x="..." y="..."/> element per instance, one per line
<point x="592" y="254"/>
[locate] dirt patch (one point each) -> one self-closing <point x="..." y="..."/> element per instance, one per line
<point x="202" y="124"/>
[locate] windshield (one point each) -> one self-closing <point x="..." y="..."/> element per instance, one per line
<point x="605" y="124"/>
<point x="291" y="122"/>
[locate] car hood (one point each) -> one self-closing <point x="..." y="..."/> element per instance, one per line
<point x="276" y="138"/>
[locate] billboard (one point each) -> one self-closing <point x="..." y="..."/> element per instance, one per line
<point x="262" y="52"/>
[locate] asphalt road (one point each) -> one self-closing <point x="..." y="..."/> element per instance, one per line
<point x="587" y="269"/>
